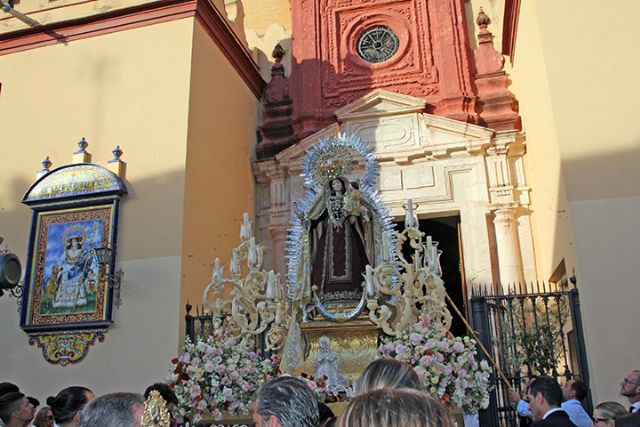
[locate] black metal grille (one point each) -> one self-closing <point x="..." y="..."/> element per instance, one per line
<point x="378" y="44"/>
<point x="200" y="325"/>
<point x="530" y="331"/>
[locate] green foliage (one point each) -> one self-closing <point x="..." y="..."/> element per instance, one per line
<point x="532" y="336"/>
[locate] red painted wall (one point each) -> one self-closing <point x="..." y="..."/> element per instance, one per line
<point x="433" y="61"/>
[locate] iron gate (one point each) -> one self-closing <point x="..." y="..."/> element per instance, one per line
<point x="530" y="331"/>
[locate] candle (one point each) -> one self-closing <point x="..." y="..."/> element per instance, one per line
<point x="408" y="220"/>
<point x="245" y="227"/>
<point x="253" y="253"/>
<point x="384" y="245"/>
<point x="368" y="279"/>
<point x="235" y="264"/>
<point x="271" y="278"/>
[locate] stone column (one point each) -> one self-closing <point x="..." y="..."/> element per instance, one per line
<point x="509" y="260"/>
<point x="278" y="218"/>
<point x="279" y="236"/>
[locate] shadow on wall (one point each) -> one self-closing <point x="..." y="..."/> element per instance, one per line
<point x="318" y="89"/>
<point x="602" y="217"/>
<point x="600" y="179"/>
<point x="234" y="10"/>
<point x="603" y="176"/>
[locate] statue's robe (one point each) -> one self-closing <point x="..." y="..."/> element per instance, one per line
<point x="339" y="260"/>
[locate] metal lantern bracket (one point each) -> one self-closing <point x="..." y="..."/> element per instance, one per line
<point x="106" y="260"/>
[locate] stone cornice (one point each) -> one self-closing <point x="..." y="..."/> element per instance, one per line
<point x="139" y="16"/>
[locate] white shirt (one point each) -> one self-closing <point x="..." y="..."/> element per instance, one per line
<point x="635" y="407"/>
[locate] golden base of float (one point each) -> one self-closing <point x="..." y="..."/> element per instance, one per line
<point x="355" y="343"/>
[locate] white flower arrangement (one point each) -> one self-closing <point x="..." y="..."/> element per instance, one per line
<point x="447" y="365"/>
<point x="219" y="375"/>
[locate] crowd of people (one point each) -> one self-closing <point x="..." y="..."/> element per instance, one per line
<point x="388" y="394"/>
<point x="77" y="407"/>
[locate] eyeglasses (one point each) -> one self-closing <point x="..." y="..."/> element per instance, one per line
<point x="600" y="420"/>
<point x="626" y="381"/>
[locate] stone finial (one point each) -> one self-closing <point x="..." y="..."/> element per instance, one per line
<point x="117" y="153"/>
<point x="276" y="132"/>
<point x="484" y="36"/>
<point x="277" y="75"/>
<point x="46" y="166"/>
<point x="278" y="53"/>
<point x="116" y="165"/>
<point x="82" y="144"/>
<point x="498" y="106"/>
<point x="82" y="156"/>
<point x="483" y="20"/>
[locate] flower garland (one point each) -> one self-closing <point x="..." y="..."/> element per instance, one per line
<point x="220" y="375"/>
<point x="446" y="365"/>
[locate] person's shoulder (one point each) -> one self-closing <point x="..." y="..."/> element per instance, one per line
<point x="559" y="419"/>
<point x="540" y="423"/>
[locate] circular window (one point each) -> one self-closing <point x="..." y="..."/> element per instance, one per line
<point x="378" y="44"/>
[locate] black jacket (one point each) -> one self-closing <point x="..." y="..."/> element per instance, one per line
<point x="555" y="419"/>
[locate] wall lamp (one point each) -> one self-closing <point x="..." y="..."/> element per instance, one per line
<point x="10" y="273"/>
<point x="105" y="257"/>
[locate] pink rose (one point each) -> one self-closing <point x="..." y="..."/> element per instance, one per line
<point x="195" y="390"/>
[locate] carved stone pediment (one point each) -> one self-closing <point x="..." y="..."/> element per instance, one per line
<point x="380" y="102"/>
<point x="399" y="129"/>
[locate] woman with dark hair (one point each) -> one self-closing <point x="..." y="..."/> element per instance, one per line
<point x="44" y="417"/>
<point x="67" y="405"/>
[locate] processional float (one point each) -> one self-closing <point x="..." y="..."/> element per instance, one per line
<point x="293" y="316"/>
<point x="352" y="281"/>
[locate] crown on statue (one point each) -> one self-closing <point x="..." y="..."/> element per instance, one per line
<point x="332" y="162"/>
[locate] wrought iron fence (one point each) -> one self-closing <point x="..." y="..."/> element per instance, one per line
<point x="529" y="331"/>
<point x="200" y="325"/>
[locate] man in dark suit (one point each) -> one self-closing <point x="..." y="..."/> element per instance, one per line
<point x="545" y="397"/>
<point x="630" y="388"/>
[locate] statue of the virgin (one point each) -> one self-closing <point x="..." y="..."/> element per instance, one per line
<point x="339" y="239"/>
<point x="341" y="227"/>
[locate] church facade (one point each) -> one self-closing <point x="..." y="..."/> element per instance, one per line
<point x="481" y="113"/>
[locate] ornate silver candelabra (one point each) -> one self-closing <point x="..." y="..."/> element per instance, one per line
<point x="398" y="290"/>
<point x="256" y="302"/>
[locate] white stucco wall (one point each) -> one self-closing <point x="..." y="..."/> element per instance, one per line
<point x="137" y="348"/>
<point x="607" y="234"/>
